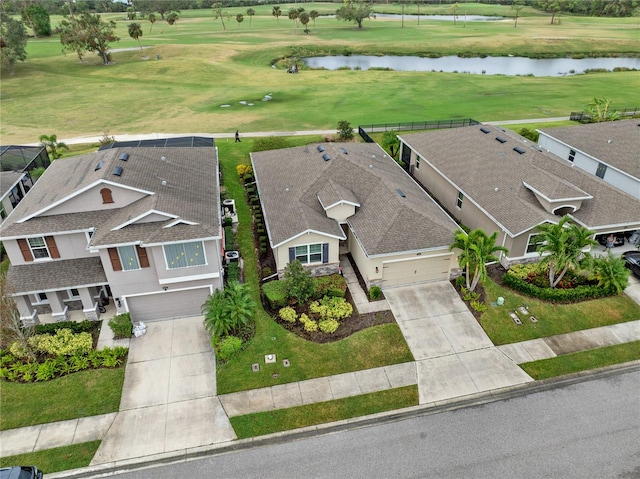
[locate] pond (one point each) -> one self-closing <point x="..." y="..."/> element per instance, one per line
<point x="510" y="66"/>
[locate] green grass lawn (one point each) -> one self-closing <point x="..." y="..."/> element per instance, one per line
<point x="81" y="394"/>
<point x="203" y="66"/>
<point x="583" y="361"/>
<point x="377" y="346"/>
<point x="252" y="425"/>
<point x="552" y="318"/>
<point x="56" y="459"/>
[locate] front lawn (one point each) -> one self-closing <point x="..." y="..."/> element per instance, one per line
<point x="57" y="459"/>
<point x="552" y="318"/>
<point x="258" y="424"/>
<point x="373" y="347"/>
<point x="81" y="394"/>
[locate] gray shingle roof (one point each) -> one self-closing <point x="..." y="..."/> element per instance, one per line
<point x="478" y="165"/>
<point x="55" y="275"/>
<point x="290" y="180"/>
<point x="191" y="193"/>
<point x="616" y="143"/>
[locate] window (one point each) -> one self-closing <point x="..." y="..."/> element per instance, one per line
<point x="3" y="213"/>
<point x="184" y="255"/>
<point x="572" y="155"/>
<point x="418" y="162"/>
<point x="602" y="169"/>
<point x="460" y="198"/>
<point x="73" y="293"/>
<point x="38" y="247"/>
<point x="534" y="242"/>
<point x="309" y="253"/>
<point x="107" y="197"/>
<point x="128" y="258"/>
<point x="41" y="298"/>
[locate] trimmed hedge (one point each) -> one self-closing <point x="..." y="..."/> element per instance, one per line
<point x="75" y="327"/>
<point x="233" y="272"/>
<point x="556" y="295"/>
<point x="333" y="285"/>
<point x="228" y="238"/>
<point x="276" y="293"/>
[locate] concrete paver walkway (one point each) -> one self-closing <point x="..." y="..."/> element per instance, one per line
<point x="359" y="297"/>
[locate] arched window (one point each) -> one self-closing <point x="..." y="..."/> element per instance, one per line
<point x="106" y="195"/>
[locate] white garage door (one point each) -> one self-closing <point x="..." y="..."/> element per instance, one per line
<point x="418" y="270"/>
<point x="173" y="304"/>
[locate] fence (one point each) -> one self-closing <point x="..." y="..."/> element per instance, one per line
<point x="363" y="130"/>
<point x="583" y="117"/>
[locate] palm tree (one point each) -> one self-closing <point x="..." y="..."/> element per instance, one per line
<point x="53" y="145"/>
<point x="239" y="307"/>
<point x="152" y="18"/>
<point x="250" y="12"/>
<point x="215" y="321"/>
<point x="565" y="245"/>
<point x="293" y="15"/>
<point x="477" y="249"/>
<point x="239" y="19"/>
<point x="172" y="18"/>
<point x="611" y="272"/>
<point x="276" y="12"/>
<point x="304" y="19"/>
<point x="599" y="110"/>
<point x="313" y="14"/>
<point x="135" y="32"/>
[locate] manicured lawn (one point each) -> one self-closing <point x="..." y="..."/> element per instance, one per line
<point x="552" y="318"/>
<point x="81" y="394"/>
<point x="370" y="348"/>
<point x="583" y="361"/>
<point x="252" y="425"/>
<point x="203" y="67"/>
<point x="57" y="459"/>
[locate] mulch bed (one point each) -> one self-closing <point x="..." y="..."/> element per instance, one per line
<point x="354" y="323"/>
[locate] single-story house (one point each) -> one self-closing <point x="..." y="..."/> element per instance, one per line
<point x="137" y="222"/>
<point x="323" y="200"/>
<point x="608" y="150"/>
<point x="494" y="179"/>
<point x="16" y="164"/>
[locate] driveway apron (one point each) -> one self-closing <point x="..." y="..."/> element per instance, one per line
<point x="454" y="356"/>
<point x="169" y="398"/>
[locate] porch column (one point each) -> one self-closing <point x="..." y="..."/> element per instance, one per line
<point x="89" y="304"/>
<point x="28" y="314"/>
<point x="59" y="310"/>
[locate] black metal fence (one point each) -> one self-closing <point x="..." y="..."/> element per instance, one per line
<point x="584" y="117"/>
<point x="364" y="130"/>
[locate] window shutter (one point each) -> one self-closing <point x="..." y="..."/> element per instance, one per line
<point x="24" y="248"/>
<point x="53" y="248"/>
<point x="115" y="259"/>
<point x="142" y="256"/>
<point x="292" y="255"/>
<point x="325" y="252"/>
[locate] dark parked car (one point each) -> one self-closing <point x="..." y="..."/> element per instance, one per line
<point x="618" y="241"/>
<point x="20" y="472"/>
<point x="632" y="261"/>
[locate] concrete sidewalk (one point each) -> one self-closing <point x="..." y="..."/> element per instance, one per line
<point x="358" y="295"/>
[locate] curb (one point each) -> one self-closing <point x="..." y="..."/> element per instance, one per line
<point x="184" y="455"/>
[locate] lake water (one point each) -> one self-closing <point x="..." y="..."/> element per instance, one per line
<point x="510" y="66"/>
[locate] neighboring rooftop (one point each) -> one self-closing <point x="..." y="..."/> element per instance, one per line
<point x="393" y="213"/>
<point x="495" y="176"/>
<point x="616" y="143"/>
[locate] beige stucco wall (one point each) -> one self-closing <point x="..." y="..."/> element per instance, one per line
<point x="70" y="246"/>
<point x="341" y="212"/>
<point x="281" y="253"/>
<point x="91" y="200"/>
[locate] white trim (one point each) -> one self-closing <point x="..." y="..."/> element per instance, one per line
<point x="54" y="290"/>
<point x="195" y="277"/>
<point x="295" y="255"/>
<point x="180" y="221"/>
<point x="53" y="233"/>
<point x="414" y="258"/>
<point x="135" y="251"/>
<point x="143" y="215"/>
<point x="79" y="192"/>
<point x="337" y="203"/>
<point x="191" y="240"/>
<point x="564" y="206"/>
<point x="204" y="254"/>
<point x="309" y="231"/>
<point x="551" y="200"/>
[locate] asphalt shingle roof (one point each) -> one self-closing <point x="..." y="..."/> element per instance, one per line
<point x="184" y="184"/>
<point x="290" y="181"/>
<point x="493" y="175"/>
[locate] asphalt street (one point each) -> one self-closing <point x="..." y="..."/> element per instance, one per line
<point x="584" y="430"/>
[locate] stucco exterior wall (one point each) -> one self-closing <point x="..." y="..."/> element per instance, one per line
<point x="91" y="200"/>
<point x="341" y="212"/>
<point x="281" y="254"/>
<point x="70" y="246"/>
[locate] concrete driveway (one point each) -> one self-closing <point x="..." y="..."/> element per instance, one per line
<point x="454" y="357"/>
<point x="169" y="398"/>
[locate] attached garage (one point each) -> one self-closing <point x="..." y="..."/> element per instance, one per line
<point x="167" y="305"/>
<point x="416" y="270"/>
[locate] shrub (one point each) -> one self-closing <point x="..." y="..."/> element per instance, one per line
<point x="300" y="284"/>
<point x="375" y="292"/>
<point x="331" y="308"/>
<point x="328" y="326"/>
<point x="46" y="370"/>
<point x="345" y="130"/>
<point x="266" y="272"/>
<point x="270" y="143"/>
<point x="478" y="306"/>
<point x="460" y="281"/>
<point x="288" y="314"/>
<point x="579" y="293"/>
<point x="228" y="238"/>
<point x="331" y="285"/>
<point x="276" y="293"/>
<point x="243" y="170"/>
<point x="63" y="343"/>
<point x="233" y="271"/>
<point x="18" y="350"/>
<point x="227" y="347"/>
<point x="469" y="295"/>
<point x="121" y="326"/>
<point x="227" y="222"/>
<point x="75" y="327"/>
<point x="310" y="326"/>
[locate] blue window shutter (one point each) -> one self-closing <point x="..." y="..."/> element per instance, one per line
<point x="325" y="252"/>
<point x="292" y="255"/>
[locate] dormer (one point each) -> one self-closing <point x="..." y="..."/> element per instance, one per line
<point x="338" y="202"/>
<point x="556" y="196"/>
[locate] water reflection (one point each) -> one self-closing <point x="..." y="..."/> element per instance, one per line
<point x="510" y="66"/>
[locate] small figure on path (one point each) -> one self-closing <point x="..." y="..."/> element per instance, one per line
<point x="237" y="137"/>
<point x="610" y="240"/>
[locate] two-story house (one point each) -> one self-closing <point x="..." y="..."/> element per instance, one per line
<point x="138" y="222"/>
